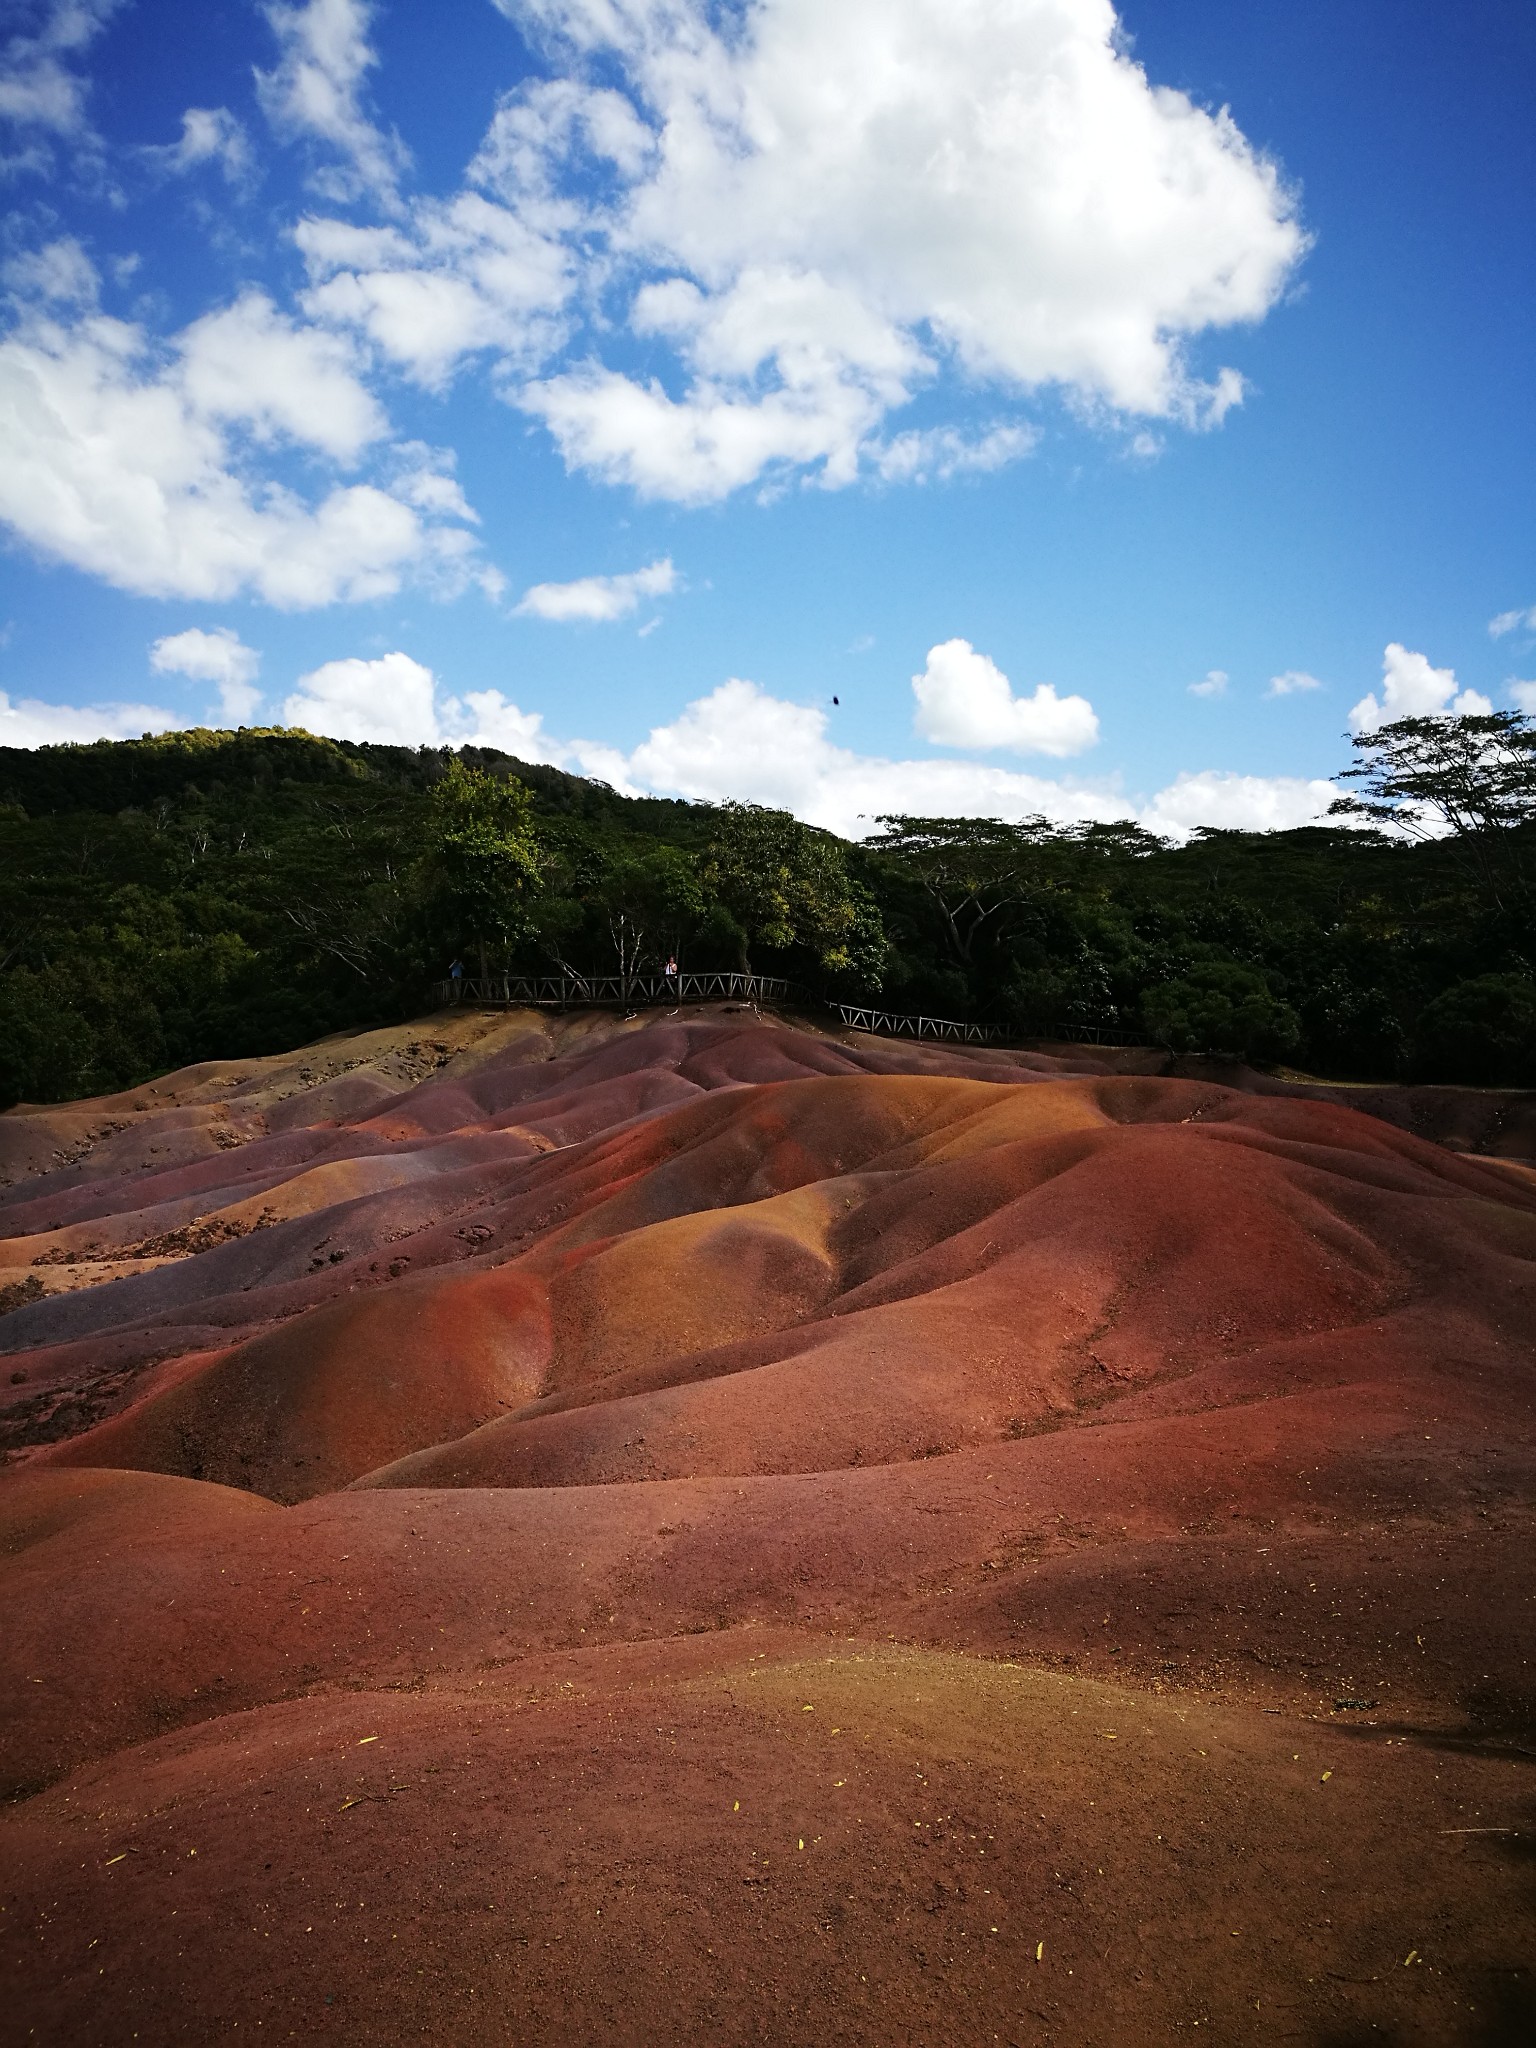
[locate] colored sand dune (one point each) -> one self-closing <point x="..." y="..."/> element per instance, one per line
<point x="699" y="1530"/>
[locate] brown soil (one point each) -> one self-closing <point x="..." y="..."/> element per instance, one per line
<point x="701" y="1530"/>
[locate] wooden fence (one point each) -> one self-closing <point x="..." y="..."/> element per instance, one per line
<point x="648" y="991"/>
<point x="611" y="991"/>
<point x="904" y="1024"/>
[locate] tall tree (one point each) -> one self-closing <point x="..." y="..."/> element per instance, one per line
<point x="651" y="899"/>
<point x="1468" y="780"/>
<point x="974" y="870"/>
<point x="787" y="885"/>
<point x="483" y="856"/>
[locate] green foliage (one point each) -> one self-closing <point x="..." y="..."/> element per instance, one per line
<point x="975" y="871"/>
<point x="48" y="1052"/>
<point x="652" y="899"/>
<point x="483" y="863"/>
<point x="1481" y="1031"/>
<point x="787" y="888"/>
<point x="250" y="899"/>
<point x="1218" y="1007"/>
<point x="212" y="895"/>
<point x="1469" y="775"/>
<point x="115" y="775"/>
<point x="1470" y="780"/>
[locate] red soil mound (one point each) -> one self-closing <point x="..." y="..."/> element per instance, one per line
<point x="761" y="1841"/>
<point x="1016" y="1482"/>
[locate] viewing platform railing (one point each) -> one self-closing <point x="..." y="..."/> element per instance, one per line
<point x="904" y="1024"/>
<point x="607" y="991"/>
<point x="648" y="991"/>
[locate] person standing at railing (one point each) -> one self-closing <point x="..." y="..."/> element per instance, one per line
<point x="456" y="976"/>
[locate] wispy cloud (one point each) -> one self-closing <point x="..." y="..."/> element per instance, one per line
<point x="599" y="598"/>
<point x="209" y="135"/>
<point x="43" y="95"/>
<point x="315" y="93"/>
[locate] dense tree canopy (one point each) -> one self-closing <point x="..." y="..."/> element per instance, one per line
<point x="787" y="888"/>
<point x="482" y="863"/>
<point x="212" y="894"/>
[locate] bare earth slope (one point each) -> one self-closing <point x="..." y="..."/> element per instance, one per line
<point x="698" y="1530"/>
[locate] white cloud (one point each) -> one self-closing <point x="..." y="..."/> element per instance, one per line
<point x="736" y="742"/>
<point x="1292" y="683"/>
<point x="424" y="478"/>
<point x="316" y="91"/>
<point x="807" y="213"/>
<point x="58" y="274"/>
<point x="1212" y="684"/>
<point x="705" y="448"/>
<point x="1238" y="803"/>
<point x="208" y="135"/>
<point x="544" y="122"/>
<point x="38" y="89"/>
<point x="1522" y="695"/>
<point x="813" y="212"/>
<point x="30" y="723"/>
<point x="114" y="458"/>
<point x="1513" y="622"/>
<point x="1412" y="689"/>
<point x="811" y="330"/>
<point x="249" y="363"/>
<point x="394" y="701"/>
<point x="220" y="657"/>
<point x="965" y="700"/>
<point x="944" y="452"/>
<point x="454" y="278"/>
<point x="740" y="742"/>
<point x="825" y="206"/>
<point x="599" y="597"/>
<point x="391" y="700"/>
<point x="487" y="719"/>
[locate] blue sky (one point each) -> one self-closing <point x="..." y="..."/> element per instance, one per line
<point x="1108" y="410"/>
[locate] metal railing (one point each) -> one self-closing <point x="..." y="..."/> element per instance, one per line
<point x="647" y="991"/>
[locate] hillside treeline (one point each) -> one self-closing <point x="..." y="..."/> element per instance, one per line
<point x="213" y="894"/>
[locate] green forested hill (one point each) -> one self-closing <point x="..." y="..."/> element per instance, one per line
<point x="209" y="894"/>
